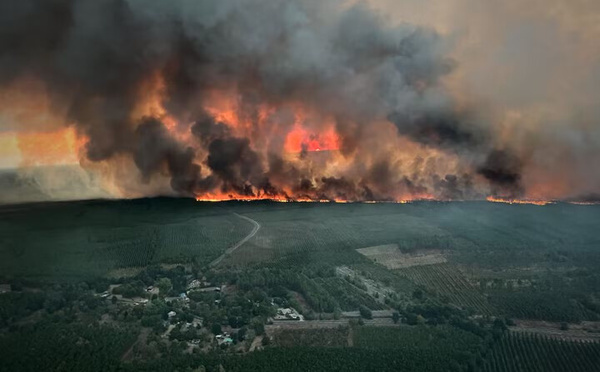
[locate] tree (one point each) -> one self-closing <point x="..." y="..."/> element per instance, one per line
<point x="337" y="313"/>
<point x="411" y="319"/>
<point x="164" y="286"/>
<point x="365" y="312"/>
<point x="259" y="328"/>
<point x="216" y="329"/>
<point x="242" y="333"/>
<point x="499" y="325"/>
<point x="266" y="341"/>
<point x="418" y="294"/>
<point x="395" y="317"/>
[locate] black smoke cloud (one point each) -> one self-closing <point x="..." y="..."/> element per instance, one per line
<point x="155" y="149"/>
<point x="346" y="63"/>
<point x="503" y="170"/>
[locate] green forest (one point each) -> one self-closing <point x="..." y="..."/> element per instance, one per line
<point x="164" y="284"/>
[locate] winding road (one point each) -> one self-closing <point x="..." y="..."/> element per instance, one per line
<point x="238" y="244"/>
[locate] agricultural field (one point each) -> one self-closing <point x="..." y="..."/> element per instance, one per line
<point x="392" y="257"/>
<point x="444" y="347"/>
<point x="552" y="305"/>
<point x="524" y="352"/>
<point x="450" y="284"/>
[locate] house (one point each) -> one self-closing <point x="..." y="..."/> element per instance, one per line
<point x="171" y="314"/>
<point x="224" y="338"/>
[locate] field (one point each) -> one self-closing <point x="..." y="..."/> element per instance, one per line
<point x="449" y="283"/>
<point x="518" y="352"/>
<point x="392" y="257"/>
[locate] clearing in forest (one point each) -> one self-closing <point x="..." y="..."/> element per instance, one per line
<point x="392" y="257"/>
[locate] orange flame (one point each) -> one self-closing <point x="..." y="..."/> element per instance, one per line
<point x="518" y="201"/>
<point x="220" y="197"/>
<point x="300" y="139"/>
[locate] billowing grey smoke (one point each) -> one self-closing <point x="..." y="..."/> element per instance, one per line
<point x="342" y="62"/>
<point x="154" y="148"/>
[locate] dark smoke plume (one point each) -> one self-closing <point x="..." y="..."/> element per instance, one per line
<point x="339" y="63"/>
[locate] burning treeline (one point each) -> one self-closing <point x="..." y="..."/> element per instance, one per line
<point x="298" y="100"/>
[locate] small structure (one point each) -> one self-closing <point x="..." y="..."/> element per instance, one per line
<point x="171" y="314"/>
<point x="288" y="313"/>
<point x="140" y="301"/>
<point x="224" y="338"/>
<point x="182" y="297"/>
<point x="194" y="284"/>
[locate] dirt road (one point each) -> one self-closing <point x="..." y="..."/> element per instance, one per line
<point x="238" y="244"/>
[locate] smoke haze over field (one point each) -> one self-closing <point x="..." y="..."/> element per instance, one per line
<point x="306" y="99"/>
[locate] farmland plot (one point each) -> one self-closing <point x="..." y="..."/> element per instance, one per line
<point x="391" y="257"/>
<point x="523" y="352"/>
<point x="446" y="280"/>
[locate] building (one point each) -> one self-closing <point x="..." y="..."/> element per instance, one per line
<point x="194" y="284"/>
<point x="224" y="338"/>
<point x="288" y="313"/>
